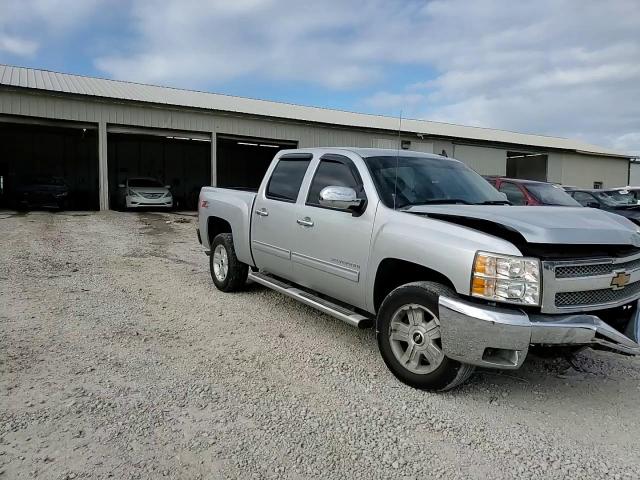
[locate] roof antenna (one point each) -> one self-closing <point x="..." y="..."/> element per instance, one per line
<point x="395" y="183"/>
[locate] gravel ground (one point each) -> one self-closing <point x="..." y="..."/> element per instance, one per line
<point x="120" y="359"/>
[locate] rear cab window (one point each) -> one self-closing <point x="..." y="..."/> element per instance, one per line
<point x="287" y="177"/>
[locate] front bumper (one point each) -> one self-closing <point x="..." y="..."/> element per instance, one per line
<point x="499" y="337"/>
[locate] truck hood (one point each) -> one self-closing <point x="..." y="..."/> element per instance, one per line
<point x="548" y="225"/>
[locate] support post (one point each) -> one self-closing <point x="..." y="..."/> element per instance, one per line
<point x="214" y="176"/>
<point x="103" y="170"/>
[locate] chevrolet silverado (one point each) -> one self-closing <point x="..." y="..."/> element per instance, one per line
<point x="420" y="246"/>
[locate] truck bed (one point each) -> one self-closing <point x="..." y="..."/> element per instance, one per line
<point x="232" y="205"/>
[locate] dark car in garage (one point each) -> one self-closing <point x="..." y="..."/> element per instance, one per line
<point x="532" y="192"/>
<point x="40" y="191"/>
<point x="608" y="200"/>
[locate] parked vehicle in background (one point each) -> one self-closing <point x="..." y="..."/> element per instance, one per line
<point x="40" y="191"/>
<point x="421" y="246"/>
<point x="531" y="192"/>
<point x="610" y="201"/>
<point x="144" y="192"/>
<point x="633" y="192"/>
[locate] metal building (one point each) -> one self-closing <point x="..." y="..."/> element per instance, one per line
<point x="96" y="132"/>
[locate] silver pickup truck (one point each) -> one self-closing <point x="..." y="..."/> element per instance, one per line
<point x="422" y="247"/>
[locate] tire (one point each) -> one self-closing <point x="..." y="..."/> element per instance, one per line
<point x="227" y="272"/>
<point x="408" y="334"/>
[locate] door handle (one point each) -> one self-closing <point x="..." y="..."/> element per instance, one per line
<point x="262" y="212"/>
<point x="305" y="222"/>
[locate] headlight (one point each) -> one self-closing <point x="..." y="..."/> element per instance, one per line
<point x="168" y="194"/>
<point x="504" y="278"/>
<point x="131" y="193"/>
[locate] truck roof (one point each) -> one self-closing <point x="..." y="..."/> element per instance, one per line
<point x="378" y="152"/>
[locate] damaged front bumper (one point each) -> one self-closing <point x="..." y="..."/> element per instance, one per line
<point x="498" y="337"/>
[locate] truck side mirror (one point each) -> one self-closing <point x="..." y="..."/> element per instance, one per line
<point x="341" y="198"/>
<point x="121" y="185"/>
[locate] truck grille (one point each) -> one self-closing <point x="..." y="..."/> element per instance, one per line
<point x="596" y="297"/>
<point x="593" y="270"/>
<point x="582" y="285"/>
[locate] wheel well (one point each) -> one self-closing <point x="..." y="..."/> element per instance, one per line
<point x="215" y="226"/>
<point x="393" y="272"/>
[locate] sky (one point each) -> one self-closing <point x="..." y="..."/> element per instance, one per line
<point x="567" y="68"/>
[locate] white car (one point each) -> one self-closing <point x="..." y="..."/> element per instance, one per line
<point x="143" y="192"/>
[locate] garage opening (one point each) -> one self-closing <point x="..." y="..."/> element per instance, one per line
<point x="243" y="161"/>
<point x="48" y="166"/>
<point x="181" y="162"/>
<point x="528" y="166"/>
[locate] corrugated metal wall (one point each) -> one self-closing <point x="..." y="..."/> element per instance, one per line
<point x="582" y="170"/>
<point x="484" y="160"/>
<point x="88" y="110"/>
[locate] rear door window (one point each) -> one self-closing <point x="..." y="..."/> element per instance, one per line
<point x="513" y="193"/>
<point x="287" y="177"/>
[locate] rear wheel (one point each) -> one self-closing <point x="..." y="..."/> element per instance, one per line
<point x="227" y="272"/>
<point x="409" y="338"/>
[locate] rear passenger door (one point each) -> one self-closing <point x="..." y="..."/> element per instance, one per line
<point x="331" y="246"/>
<point x="273" y="220"/>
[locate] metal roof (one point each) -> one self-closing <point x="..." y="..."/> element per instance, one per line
<point x="97" y="87"/>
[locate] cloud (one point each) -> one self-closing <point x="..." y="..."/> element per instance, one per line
<point x="27" y="24"/>
<point x="17" y="46"/>
<point x="549" y="67"/>
<point x="188" y="43"/>
<point x="557" y="67"/>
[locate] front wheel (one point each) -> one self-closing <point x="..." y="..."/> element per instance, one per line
<point x="228" y="273"/>
<point x="409" y="338"/>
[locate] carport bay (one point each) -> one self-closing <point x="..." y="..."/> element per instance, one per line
<point x="65" y="150"/>
<point x="182" y="162"/>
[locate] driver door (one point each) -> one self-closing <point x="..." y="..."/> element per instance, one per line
<point x="330" y="246"/>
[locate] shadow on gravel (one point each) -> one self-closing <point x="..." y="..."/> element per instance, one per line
<point x="4" y="214"/>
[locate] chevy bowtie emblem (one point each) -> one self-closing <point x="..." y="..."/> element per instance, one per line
<point x="620" y="280"/>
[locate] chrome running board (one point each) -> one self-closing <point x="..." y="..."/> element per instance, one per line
<point x="326" y="306"/>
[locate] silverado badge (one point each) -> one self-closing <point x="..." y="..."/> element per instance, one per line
<point x="620" y="280"/>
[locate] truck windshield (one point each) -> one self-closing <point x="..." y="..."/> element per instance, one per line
<point x="548" y="194"/>
<point x="424" y="180"/>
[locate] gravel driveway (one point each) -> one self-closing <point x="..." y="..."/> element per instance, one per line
<point x="120" y="359"/>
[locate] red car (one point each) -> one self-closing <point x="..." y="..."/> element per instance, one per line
<point x="531" y="192"/>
